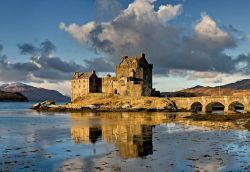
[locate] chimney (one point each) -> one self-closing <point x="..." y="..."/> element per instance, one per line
<point x="76" y="74"/>
<point x="143" y="55"/>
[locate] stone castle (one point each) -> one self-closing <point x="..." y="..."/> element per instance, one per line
<point x="133" y="77"/>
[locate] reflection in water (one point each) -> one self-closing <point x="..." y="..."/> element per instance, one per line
<point x="132" y="135"/>
<point x="108" y="141"/>
<point x="86" y="135"/>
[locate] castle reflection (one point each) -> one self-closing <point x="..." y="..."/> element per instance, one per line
<point x="131" y="133"/>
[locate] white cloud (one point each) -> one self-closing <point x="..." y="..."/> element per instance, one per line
<point x="216" y="77"/>
<point x="208" y="28"/>
<point x="80" y="33"/>
<point x="138" y="13"/>
<point x="168" y="12"/>
<point x="143" y="28"/>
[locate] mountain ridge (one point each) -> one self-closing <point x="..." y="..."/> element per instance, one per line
<point x="238" y="88"/>
<point x="34" y="93"/>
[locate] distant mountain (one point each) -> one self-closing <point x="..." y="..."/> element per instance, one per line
<point x="238" y="88"/>
<point x="34" y="93"/>
<point x="13" y="97"/>
<point x="239" y="85"/>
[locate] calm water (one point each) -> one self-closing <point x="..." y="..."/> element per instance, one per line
<point x="32" y="141"/>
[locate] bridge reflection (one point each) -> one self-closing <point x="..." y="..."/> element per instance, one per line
<point x="131" y="134"/>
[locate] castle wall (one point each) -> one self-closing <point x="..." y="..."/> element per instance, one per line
<point x="135" y="90"/>
<point x="122" y="86"/>
<point x="79" y="88"/>
<point x="125" y="70"/>
<point x="108" y="84"/>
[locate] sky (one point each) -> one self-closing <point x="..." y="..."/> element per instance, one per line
<point x="190" y="42"/>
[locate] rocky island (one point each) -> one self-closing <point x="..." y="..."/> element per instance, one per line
<point x="110" y="102"/>
<point x="129" y="90"/>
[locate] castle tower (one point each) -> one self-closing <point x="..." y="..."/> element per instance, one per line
<point x="137" y="69"/>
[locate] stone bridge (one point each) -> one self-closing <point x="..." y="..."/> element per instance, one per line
<point x="206" y="103"/>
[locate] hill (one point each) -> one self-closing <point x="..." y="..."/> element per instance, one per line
<point x="233" y="89"/>
<point x="13" y="97"/>
<point x="239" y="85"/>
<point x="34" y="93"/>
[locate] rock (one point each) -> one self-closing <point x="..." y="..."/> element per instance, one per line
<point x="48" y="102"/>
<point x="126" y="106"/>
<point x="94" y="106"/>
<point x="43" y="105"/>
<point x="36" y="106"/>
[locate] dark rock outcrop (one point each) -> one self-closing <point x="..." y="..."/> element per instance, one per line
<point x="43" y="105"/>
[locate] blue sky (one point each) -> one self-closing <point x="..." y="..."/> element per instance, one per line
<point x="35" y="21"/>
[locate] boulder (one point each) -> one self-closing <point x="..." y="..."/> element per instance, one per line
<point x="126" y="106"/>
<point x="94" y="106"/>
<point x="36" y="106"/>
<point x="43" y="105"/>
<point x="48" y="102"/>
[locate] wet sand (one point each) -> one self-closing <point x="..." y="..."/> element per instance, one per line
<point x="32" y="141"/>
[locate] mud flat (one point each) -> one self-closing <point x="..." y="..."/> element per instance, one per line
<point x="242" y="119"/>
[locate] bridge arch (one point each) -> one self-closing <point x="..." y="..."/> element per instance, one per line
<point x="210" y="107"/>
<point x="196" y="106"/>
<point x="236" y="106"/>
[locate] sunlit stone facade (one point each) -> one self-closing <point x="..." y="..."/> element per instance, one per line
<point x="133" y="78"/>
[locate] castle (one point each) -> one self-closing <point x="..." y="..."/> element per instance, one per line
<point x="133" y="77"/>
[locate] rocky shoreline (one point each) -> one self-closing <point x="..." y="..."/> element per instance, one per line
<point x="69" y="107"/>
<point x="110" y="103"/>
